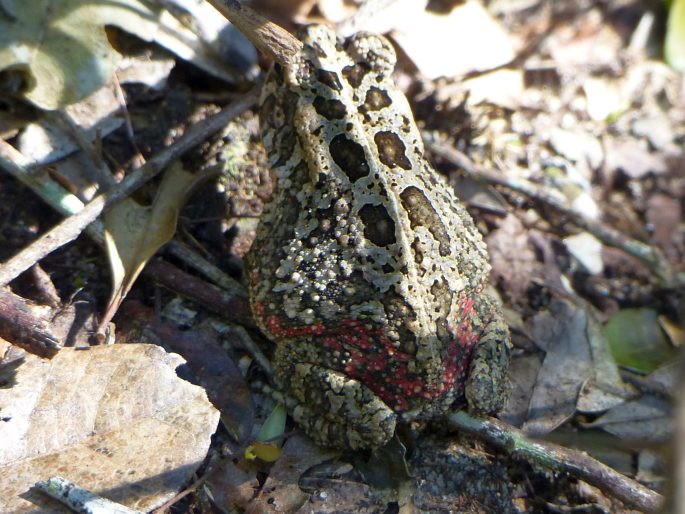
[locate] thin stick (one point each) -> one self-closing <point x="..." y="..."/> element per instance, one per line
<point x="231" y="306"/>
<point x="22" y="327"/>
<point x="649" y="255"/>
<point x="578" y="464"/>
<point x="80" y="500"/>
<point x="203" y="266"/>
<point x="270" y="39"/>
<point x="72" y="226"/>
<point x="191" y="489"/>
<point x="12" y="161"/>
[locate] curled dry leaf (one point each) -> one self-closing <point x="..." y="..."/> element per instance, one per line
<point x="61" y="50"/>
<point x="578" y="372"/>
<point x="134" y="233"/>
<point x="116" y="420"/>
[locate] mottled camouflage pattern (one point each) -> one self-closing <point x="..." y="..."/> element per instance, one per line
<point x="366" y="271"/>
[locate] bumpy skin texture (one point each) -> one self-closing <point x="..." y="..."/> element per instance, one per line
<point x="366" y="271"/>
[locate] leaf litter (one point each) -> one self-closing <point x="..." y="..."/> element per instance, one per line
<point x="116" y="419"/>
<point x="588" y="115"/>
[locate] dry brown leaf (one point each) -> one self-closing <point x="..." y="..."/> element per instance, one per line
<point x="206" y="358"/>
<point x="664" y="214"/>
<point x="513" y="260"/>
<point x="576" y="355"/>
<point x="648" y="419"/>
<point x="281" y="491"/>
<point x="134" y="232"/>
<point x="561" y="332"/>
<point x="116" y="420"/>
<point x="632" y="157"/>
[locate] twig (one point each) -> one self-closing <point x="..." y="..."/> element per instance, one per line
<point x="99" y="167"/>
<point x="81" y="500"/>
<point x="249" y="345"/>
<point x="46" y="292"/>
<point x="269" y="38"/>
<point x="12" y="161"/>
<point x="233" y="307"/>
<point x="72" y="226"/>
<point x="558" y="458"/>
<point x="193" y="260"/>
<point x="649" y="255"/>
<point x="21" y="327"/>
<point x="193" y="487"/>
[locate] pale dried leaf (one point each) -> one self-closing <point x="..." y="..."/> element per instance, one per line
<point x="587" y="250"/>
<point x="503" y="87"/>
<point x="603" y="99"/>
<point x="567" y="365"/>
<point x="467" y="26"/>
<point x="151" y="69"/>
<point x="649" y="419"/>
<point x="594" y="398"/>
<point x="658" y="129"/>
<point x="382" y="16"/>
<point x="577" y="146"/>
<point x="116" y="420"/>
<point x="134" y="233"/>
<point x="335" y="11"/>
<point x="632" y="157"/>
<point x="60" y="46"/>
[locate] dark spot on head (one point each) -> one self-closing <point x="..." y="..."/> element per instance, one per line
<point x="330" y="79"/>
<point x="349" y="155"/>
<point x="376" y="99"/>
<point x="391" y="150"/>
<point x="418" y="253"/>
<point x="379" y="227"/>
<point x="330" y="109"/>
<point x="387" y="268"/>
<point x="355" y="74"/>
<point x="422" y="214"/>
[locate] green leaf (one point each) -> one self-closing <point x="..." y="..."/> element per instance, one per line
<point x="674" y="46"/>
<point x="637" y="340"/>
<point x="267" y="447"/>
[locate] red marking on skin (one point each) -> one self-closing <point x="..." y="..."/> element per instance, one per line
<point x="273" y="325"/>
<point x="373" y="359"/>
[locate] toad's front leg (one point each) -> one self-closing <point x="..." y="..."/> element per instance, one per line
<point x="332" y="408"/>
<point x="487" y="385"/>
